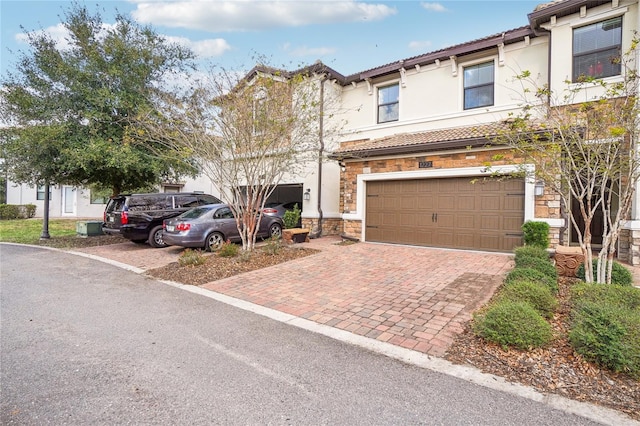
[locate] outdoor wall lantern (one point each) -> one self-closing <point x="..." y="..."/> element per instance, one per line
<point x="307" y="195"/>
<point x="539" y="188"/>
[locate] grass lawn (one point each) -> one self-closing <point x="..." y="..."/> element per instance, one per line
<point x="62" y="233"/>
<point x="28" y="231"/>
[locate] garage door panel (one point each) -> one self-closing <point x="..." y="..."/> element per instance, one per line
<point x="447" y="212"/>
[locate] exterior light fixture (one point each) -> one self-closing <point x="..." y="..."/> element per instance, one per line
<point x="307" y="195"/>
<point x="539" y="188"/>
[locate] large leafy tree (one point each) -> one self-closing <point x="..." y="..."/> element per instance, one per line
<point x="69" y="105"/>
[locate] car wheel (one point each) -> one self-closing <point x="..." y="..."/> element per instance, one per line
<point x="213" y="241"/>
<point x="275" y="231"/>
<point x="155" y="238"/>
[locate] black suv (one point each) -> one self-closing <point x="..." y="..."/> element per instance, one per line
<point x="138" y="217"/>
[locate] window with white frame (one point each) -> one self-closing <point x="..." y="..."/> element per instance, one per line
<point x="478" y="85"/>
<point x="388" y="103"/>
<point x="597" y="49"/>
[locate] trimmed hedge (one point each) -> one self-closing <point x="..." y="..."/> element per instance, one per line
<point x="543" y="265"/>
<point x="531" y="251"/>
<point x="530" y="274"/>
<point x="13" y="211"/>
<point x="619" y="274"/>
<point x="534" y="293"/>
<point x="607" y="335"/>
<point x="514" y="324"/>
<point x="536" y="233"/>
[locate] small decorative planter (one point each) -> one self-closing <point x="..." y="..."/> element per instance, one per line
<point x="295" y="235"/>
<point x="568" y="260"/>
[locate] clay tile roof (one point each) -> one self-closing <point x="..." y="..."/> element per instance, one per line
<point x="452" y="138"/>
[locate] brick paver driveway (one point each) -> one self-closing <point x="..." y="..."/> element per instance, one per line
<point x="414" y="297"/>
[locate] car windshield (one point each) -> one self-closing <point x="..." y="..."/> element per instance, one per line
<point x="271" y="204"/>
<point x="195" y="212"/>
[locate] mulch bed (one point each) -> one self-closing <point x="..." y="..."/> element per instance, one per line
<point x="555" y="369"/>
<point x="217" y="267"/>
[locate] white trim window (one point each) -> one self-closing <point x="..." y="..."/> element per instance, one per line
<point x="479" y="85"/>
<point x="597" y="49"/>
<point x="388" y="103"/>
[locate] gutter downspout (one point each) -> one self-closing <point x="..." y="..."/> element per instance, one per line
<point x="318" y="231"/>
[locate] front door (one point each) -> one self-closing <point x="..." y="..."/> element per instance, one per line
<point x="69" y="201"/>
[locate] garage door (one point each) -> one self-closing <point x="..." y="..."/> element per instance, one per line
<point x="451" y="212"/>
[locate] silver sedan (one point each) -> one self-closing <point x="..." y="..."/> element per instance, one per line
<point x="210" y="226"/>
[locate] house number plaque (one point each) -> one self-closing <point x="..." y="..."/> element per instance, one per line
<point x="425" y="164"/>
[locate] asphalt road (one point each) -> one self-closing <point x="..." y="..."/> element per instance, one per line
<point x="83" y="342"/>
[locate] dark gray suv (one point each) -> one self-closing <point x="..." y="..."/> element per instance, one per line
<point x="139" y="217"/>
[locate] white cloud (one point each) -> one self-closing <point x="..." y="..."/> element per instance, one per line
<point x="419" y="45"/>
<point x="434" y="7"/>
<point x="250" y="15"/>
<point x="208" y="48"/>
<point x="203" y="48"/>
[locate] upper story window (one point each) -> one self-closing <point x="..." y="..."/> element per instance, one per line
<point x="478" y="85"/>
<point x="388" y="103"/>
<point x="596" y="49"/>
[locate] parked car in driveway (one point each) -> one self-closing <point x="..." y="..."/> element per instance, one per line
<point x="279" y="209"/>
<point x="139" y="217"/>
<point x="210" y="226"/>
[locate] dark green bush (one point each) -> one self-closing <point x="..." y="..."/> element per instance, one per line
<point x="536" y="234"/>
<point x="531" y="251"/>
<point x="625" y="297"/>
<point x="619" y="274"/>
<point x="534" y="293"/>
<point x="291" y="217"/>
<point x="607" y="335"/>
<point x="13" y="211"/>
<point x="514" y="324"/>
<point x="9" y="211"/>
<point x="530" y="274"/>
<point x="543" y="265"/>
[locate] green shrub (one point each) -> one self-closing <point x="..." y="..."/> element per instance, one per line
<point x="536" y="234"/>
<point x="619" y="274"/>
<point x="514" y="324"/>
<point x="191" y="257"/>
<point x="9" y="211"/>
<point x="530" y="274"/>
<point x="273" y="246"/>
<point x="291" y="217"/>
<point x="607" y="335"/>
<point x="228" y="249"/>
<point x="29" y="210"/>
<point x="625" y="297"/>
<point x="531" y="251"/>
<point x="534" y="293"/>
<point x="543" y="265"/>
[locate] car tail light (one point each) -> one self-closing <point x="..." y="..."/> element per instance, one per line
<point x="183" y="226"/>
<point x="269" y="211"/>
<point x="124" y="218"/>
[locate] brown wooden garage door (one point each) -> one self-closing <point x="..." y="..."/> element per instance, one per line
<point x="448" y="212"/>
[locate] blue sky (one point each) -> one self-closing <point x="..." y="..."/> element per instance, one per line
<point x="349" y="36"/>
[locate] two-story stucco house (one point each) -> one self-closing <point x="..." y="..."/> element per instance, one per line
<point x="408" y="165"/>
<point x="414" y="152"/>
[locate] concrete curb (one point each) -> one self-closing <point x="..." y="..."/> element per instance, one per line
<point x="473" y="375"/>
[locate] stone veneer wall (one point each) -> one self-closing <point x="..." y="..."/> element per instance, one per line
<point x="546" y="206"/>
<point x="330" y="226"/>
<point x="629" y="247"/>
